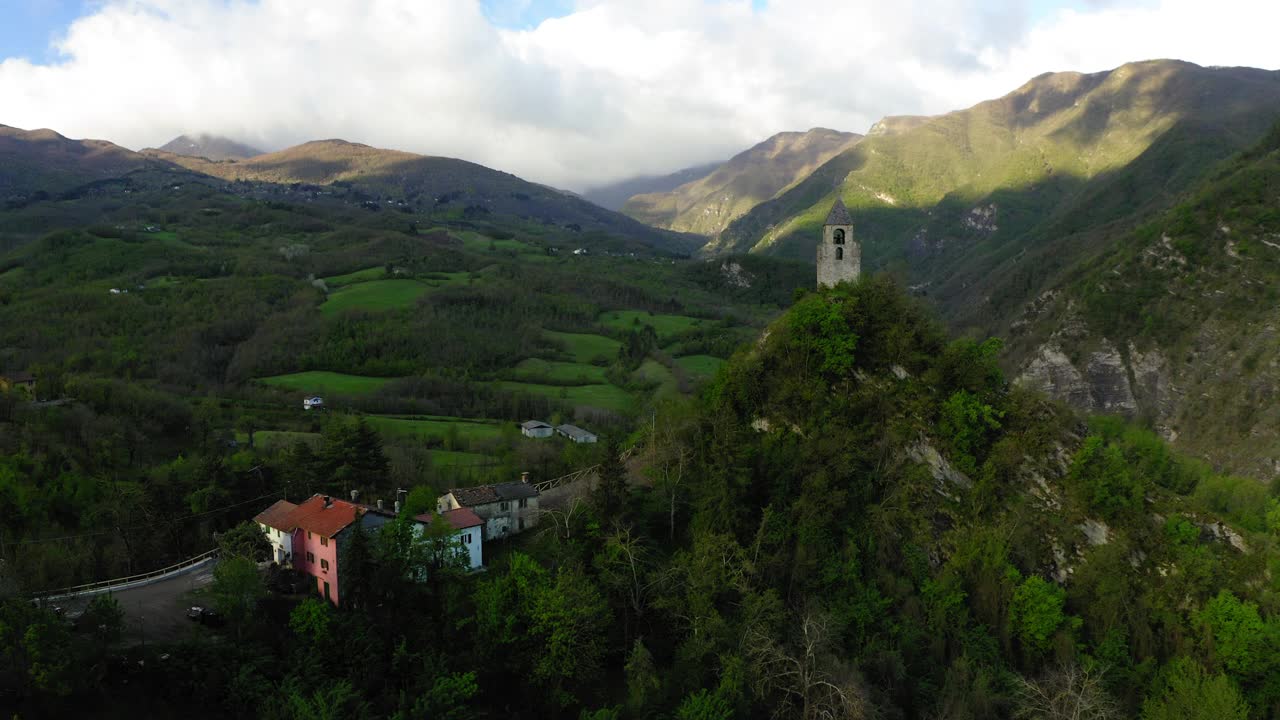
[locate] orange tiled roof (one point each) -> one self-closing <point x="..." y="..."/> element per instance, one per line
<point x="278" y="516"/>
<point x="313" y="516"/>
<point x="458" y="518"/>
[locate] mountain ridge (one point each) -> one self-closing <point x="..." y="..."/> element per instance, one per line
<point x="707" y="205"/>
<point x="212" y="147"/>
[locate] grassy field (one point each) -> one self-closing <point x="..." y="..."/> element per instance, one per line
<point x="458" y="459"/>
<point x="359" y="276"/>
<point x="475" y="242"/>
<point x="434" y="426"/>
<point x="665" y="325"/>
<point x="607" y="397"/>
<point x="375" y="295"/>
<point x="445" y="279"/>
<point x="585" y="348"/>
<point x="320" y="381"/>
<point x="535" y="370"/>
<point x="700" y="366"/>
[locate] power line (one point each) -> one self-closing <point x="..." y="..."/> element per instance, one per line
<point x="135" y="527"/>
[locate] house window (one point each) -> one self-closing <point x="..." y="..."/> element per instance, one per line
<point x="504" y="506"/>
<point x="524" y="502"/>
<point x="837" y="237"/>
<point x="308" y="534"/>
<point x="466" y="538"/>
<point x="521" y="523"/>
<point x="839" y="253"/>
<point x="324" y="541"/>
<point x="324" y="565"/>
<point x="311" y="558"/>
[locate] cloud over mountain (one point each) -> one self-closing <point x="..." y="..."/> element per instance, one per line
<point x="614" y="88"/>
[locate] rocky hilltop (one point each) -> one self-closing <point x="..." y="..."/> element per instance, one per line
<point x="212" y="147"/>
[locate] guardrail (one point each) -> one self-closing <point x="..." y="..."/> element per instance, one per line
<point x="105" y="584"/>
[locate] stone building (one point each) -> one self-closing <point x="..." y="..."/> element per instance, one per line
<point x="506" y="508"/>
<point x="839" y="254"/>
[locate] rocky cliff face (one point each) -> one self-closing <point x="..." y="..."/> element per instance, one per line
<point x="1213" y="398"/>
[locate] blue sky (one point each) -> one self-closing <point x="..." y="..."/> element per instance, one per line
<point x="30" y="26"/>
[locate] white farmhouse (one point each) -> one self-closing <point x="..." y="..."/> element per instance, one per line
<point x="276" y="524"/>
<point x="468" y="528"/>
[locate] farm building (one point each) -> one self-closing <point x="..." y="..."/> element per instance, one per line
<point x="536" y="429"/>
<point x="506" y="508"/>
<point x="576" y="434"/>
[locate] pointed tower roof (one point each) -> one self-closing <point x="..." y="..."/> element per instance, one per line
<point x="838" y="215"/>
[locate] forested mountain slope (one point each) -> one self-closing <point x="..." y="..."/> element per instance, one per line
<point x="429" y="184"/>
<point x="42" y="161"/>
<point x="983" y="206"/>
<point x="707" y="205"/>
<point x="1176" y="321"/>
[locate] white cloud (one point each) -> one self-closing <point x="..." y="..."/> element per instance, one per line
<point x="614" y="89"/>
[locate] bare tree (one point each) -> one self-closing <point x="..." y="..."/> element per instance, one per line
<point x="625" y="566"/>
<point x="1067" y="692"/>
<point x="670" y="452"/>
<point x="811" y="682"/>
<point x="563" y="520"/>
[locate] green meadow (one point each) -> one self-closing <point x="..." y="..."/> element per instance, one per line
<point x="441" y="459"/>
<point x="438" y="427"/>
<point x="568" y="373"/>
<point x="665" y="325"/>
<point x="607" y="397"/>
<point x="322" y="381"/>
<point x="375" y="295"/>
<point x="700" y="366"/>
<point x="583" y="347"/>
<point x="359" y="276"/>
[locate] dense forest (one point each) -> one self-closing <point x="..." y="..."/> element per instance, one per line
<point x="857" y="518"/>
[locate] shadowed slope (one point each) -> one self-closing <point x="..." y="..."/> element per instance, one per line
<point x="706" y="206"/>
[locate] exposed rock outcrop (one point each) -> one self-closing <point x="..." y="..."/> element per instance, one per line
<point x="1108" y="380"/>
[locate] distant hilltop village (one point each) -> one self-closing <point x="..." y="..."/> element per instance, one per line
<point x="839" y="254"/>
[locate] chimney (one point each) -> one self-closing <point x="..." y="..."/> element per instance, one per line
<point x="524" y="478"/>
<point x="328" y="501"/>
<point x="379" y="504"/>
<point x="355" y="495"/>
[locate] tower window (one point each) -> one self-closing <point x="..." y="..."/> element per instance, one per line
<point x="840" y="253"/>
<point x="837" y="236"/>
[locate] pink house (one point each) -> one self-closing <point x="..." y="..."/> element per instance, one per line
<point x="306" y="536"/>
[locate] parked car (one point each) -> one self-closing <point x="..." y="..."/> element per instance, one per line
<point x="204" y="616"/>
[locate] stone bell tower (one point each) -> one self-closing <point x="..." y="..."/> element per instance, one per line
<point x="839" y="255"/>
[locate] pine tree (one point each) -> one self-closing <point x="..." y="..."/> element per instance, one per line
<point x="610" y="497"/>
